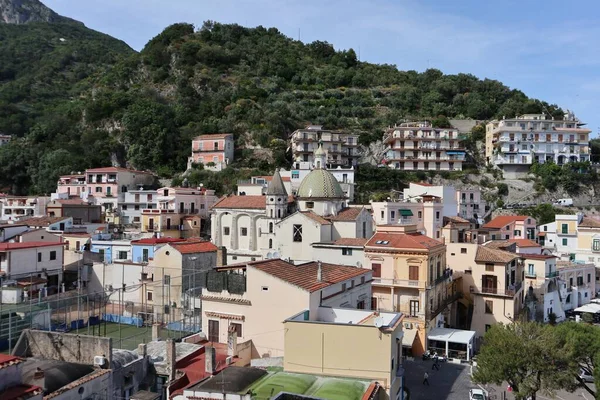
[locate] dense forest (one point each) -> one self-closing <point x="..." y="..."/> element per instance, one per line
<point x="74" y="98"/>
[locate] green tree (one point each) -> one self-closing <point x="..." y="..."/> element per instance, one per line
<point x="528" y="356"/>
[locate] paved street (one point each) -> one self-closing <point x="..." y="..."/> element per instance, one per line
<point x="452" y="382"/>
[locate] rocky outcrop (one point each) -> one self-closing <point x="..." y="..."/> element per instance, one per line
<point x="26" y="11"/>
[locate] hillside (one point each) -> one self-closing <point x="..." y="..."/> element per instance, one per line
<point x="142" y="109"/>
<point x="26" y="11"/>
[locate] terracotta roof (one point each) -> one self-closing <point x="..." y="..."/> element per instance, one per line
<point x="27" y="245"/>
<point x="457" y="220"/>
<point x="72" y="176"/>
<point x="8" y="360"/>
<point x="351" y="242"/>
<point x="235" y="300"/>
<point x="524" y="243"/>
<point x="157" y="240"/>
<point x="235" y="317"/>
<point x="32" y="280"/>
<point x="537" y="256"/>
<point x="194" y="247"/>
<point x="305" y="275"/>
<point x="21" y="392"/>
<point x="253" y="202"/>
<point x="42" y="221"/>
<point x="588" y="222"/>
<point x="503" y="220"/>
<point x="498" y="244"/>
<point x="542" y="234"/>
<point x="403" y="241"/>
<point x="213" y="136"/>
<point x="78" y="382"/>
<point x="116" y="169"/>
<point x="347" y="214"/>
<point x="315" y="217"/>
<point x="269" y="178"/>
<point x="487" y="255"/>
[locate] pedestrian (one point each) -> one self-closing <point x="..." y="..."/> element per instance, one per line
<point x="436" y="364"/>
<point x="426" y="378"/>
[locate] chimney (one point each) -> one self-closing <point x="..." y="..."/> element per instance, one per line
<point x="39" y="378"/>
<point x="232" y="342"/>
<point x="171" y="358"/>
<point x="210" y="365"/>
<point x="142" y="350"/>
<point x="319" y="272"/>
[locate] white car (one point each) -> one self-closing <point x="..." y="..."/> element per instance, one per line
<point x="477" y="394"/>
<point x="585" y="376"/>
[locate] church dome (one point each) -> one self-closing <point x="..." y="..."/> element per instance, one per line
<point x="320" y="184"/>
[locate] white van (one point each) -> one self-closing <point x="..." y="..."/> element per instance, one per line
<point x="564" y="202"/>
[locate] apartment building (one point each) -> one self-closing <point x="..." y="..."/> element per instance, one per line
<point x="470" y="204"/>
<point x="426" y="213"/>
<point x="80" y="210"/>
<point x="514" y="144"/>
<point x="578" y="283"/>
<point x="572" y="237"/>
<point x="508" y="227"/>
<point x="43" y="260"/>
<point x="179" y="211"/>
<point x="492" y="285"/>
<point x="15" y="208"/>
<point x="341" y="148"/>
<point x="247" y="298"/>
<point x="313" y="345"/>
<point x="108" y="185"/>
<point x="410" y="276"/>
<point x="214" y="151"/>
<point x="541" y="285"/>
<point x="134" y="202"/>
<point x="418" y="146"/>
<point x="71" y="185"/>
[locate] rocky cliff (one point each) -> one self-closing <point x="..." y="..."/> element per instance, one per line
<point x="26" y="11"/>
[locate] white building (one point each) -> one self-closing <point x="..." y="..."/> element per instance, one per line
<point x="16" y="208"/>
<point x="471" y="204"/>
<point x="341" y="148"/>
<point x="344" y="251"/>
<point x="578" y="283"/>
<point x="134" y="201"/>
<point x="42" y="260"/>
<point x="417" y="146"/>
<point x="514" y="144"/>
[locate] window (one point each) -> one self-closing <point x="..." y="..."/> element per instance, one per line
<point x="596" y="245"/>
<point x="310" y="204"/>
<point x="489" y="307"/>
<point x="346" y="252"/>
<point x="265" y="288"/>
<point x="39" y="257"/>
<point x="382" y="215"/>
<point x="487" y="327"/>
<point x="237" y="328"/>
<point x="270" y="227"/>
<point x="149" y="296"/>
<point x="226" y="230"/>
<point x="376" y="270"/>
<point x="122" y="255"/>
<point x="124" y="206"/>
<point x="413" y="272"/>
<point x="167" y="280"/>
<point x="414" y="308"/>
<point x="98" y="189"/>
<point x="517" y="233"/>
<point x="565" y="228"/>
<point x="295" y="175"/>
<point x="437" y="215"/>
<point x="216" y="145"/>
<point x="419" y="214"/>
<point x="137" y="207"/>
<point x="565" y="242"/>
<point x="360" y="305"/>
<point x="270" y="243"/>
<point x="243" y="231"/>
<point x="531" y="270"/>
<point x="589" y="278"/>
<point x="297" y="233"/>
<point x="463" y="250"/>
<point x="392" y="215"/>
<point x="545" y="229"/>
<point x="489" y="267"/>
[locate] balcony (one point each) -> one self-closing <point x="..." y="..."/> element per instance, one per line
<point x="157" y="211"/>
<point x="511" y="291"/>
<point x="552" y="274"/>
<point x="399" y="282"/>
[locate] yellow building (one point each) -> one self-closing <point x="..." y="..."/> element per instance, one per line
<point x="410" y="276"/>
<point x="492" y="283"/>
<point x="313" y="346"/>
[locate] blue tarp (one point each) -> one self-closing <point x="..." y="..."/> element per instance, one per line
<point x="183" y="327"/>
<point x="77" y="324"/>
<point x="123" y="319"/>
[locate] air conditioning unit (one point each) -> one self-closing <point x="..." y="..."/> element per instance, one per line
<point x="408" y="325"/>
<point x="229" y="360"/>
<point x="99" y="360"/>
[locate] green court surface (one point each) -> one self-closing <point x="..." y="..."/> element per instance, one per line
<point x="128" y="336"/>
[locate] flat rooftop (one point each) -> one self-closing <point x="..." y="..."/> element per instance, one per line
<point x="345" y="316"/>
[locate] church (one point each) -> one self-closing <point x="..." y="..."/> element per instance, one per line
<point x="280" y="225"/>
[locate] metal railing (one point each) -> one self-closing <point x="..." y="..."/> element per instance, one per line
<point x="552" y="274"/>
<point x="510" y="291"/>
<point x="399" y="282"/>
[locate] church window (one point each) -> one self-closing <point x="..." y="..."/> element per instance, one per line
<point x="297" y="233"/>
<point x="270" y="243"/>
<point x="244" y="232"/>
<point x="279" y="213"/>
<point x="270" y="227"/>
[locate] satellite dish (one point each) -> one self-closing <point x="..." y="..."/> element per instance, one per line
<point x="378" y="322"/>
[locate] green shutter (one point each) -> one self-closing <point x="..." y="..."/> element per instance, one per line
<point x="406" y="213"/>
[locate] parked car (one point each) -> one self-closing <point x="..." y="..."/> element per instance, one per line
<point x="477" y="394"/>
<point x="583" y="375"/>
<point x="563" y="202"/>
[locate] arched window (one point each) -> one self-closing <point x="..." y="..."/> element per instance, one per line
<point x="279" y="213"/>
<point x="271" y="213"/>
<point x="270" y="227"/>
<point x="270" y="243"/>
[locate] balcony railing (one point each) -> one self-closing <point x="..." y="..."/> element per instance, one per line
<point x="444" y="277"/>
<point x="510" y="291"/>
<point x="552" y="274"/>
<point x="443" y="304"/>
<point x="399" y="282"/>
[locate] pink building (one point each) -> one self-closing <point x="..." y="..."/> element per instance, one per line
<point x="507" y="227"/>
<point x="71" y="185"/>
<point x="214" y="149"/>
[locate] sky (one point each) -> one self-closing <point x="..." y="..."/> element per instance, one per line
<point x="548" y="49"/>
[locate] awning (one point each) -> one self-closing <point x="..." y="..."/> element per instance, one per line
<point x="406" y="213"/>
<point x="589" y="308"/>
<point x="409" y="337"/>
<point x="451" y="335"/>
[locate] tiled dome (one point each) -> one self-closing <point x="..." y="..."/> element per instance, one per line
<point x="320" y="184"/>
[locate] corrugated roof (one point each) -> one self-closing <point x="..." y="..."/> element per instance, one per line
<point x="402" y="241"/>
<point x="503" y="220"/>
<point x="304" y="276"/>
<point x="488" y="255"/>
